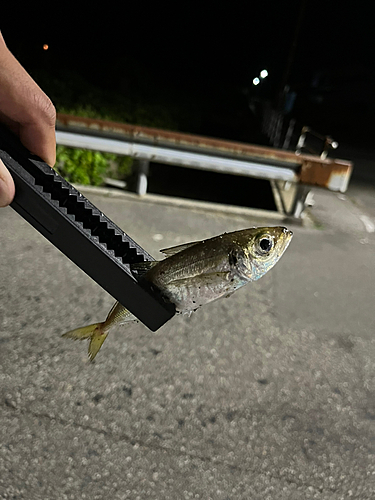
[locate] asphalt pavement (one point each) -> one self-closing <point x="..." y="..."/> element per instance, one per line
<point x="269" y="394"/>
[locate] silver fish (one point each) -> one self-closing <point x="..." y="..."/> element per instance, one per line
<point x="194" y="274"/>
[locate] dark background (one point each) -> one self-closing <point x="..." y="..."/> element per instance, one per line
<point x="193" y="66"/>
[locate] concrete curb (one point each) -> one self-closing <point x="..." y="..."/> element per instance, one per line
<point x="181" y="202"/>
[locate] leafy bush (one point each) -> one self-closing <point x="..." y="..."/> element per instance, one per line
<point x="73" y="94"/>
<point x="124" y="167"/>
<point x="83" y="166"/>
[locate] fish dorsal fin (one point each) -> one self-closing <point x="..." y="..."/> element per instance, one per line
<point x="141" y="268"/>
<point x="178" y="248"/>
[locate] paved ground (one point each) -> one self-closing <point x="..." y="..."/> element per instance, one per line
<point x="269" y="394"/>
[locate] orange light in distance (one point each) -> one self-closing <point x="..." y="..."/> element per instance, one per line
<point x="45" y="47"/>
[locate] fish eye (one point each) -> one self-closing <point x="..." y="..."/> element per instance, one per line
<point x="265" y="244"/>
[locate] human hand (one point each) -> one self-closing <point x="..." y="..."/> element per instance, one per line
<point x="27" y="112"/>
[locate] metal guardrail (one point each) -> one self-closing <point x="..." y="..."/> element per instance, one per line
<point x="288" y="172"/>
<point x="177" y="156"/>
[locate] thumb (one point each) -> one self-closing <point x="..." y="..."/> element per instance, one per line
<point x="6" y="186"/>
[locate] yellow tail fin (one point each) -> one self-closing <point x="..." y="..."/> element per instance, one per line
<point x="94" y="332"/>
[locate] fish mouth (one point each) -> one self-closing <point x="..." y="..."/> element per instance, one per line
<point x="287" y="236"/>
<point x="288" y="233"/>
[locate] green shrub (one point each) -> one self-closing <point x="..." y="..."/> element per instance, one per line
<point x="83" y="166"/>
<point x="124" y="166"/>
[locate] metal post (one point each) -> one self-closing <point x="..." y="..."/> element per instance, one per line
<point x="143" y="168"/>
<point x="278" y="197"/>
<point x="299" y="201"/>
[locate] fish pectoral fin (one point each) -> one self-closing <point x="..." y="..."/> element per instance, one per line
<point x="201" y="279"/>
<point x="214" y="278"/>
<point x="191" y="293"/>
<point x="211" y="280"/>
<point x="178" y="248"/>
<point x="141" y="268"/>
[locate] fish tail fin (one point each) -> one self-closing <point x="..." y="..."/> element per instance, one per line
<point x="96" y="333"/>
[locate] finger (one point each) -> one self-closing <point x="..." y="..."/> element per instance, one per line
<point x="26" y="109"/>
<point x="36" y="132"/>
<point x="39" y="137"/>
<point x="6" y="186"/>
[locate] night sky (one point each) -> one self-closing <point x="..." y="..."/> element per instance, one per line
<point x="204" y="59"/>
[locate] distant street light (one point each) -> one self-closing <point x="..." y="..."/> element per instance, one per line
<point x="45" y="47"/>
<point x="256" y="81"/>
<point x="263" y="73"/>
